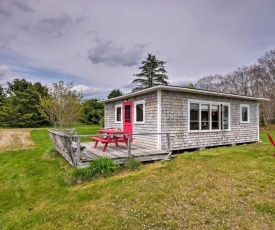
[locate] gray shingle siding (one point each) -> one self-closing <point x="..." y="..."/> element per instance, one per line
<point x="150" y="125"/>
<point x="174" y="120"/>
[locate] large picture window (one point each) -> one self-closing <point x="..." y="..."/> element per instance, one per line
<point x="118" y="113"/>
<point x="209" y="116"/>
<point x="245" y="114"/>
<point x="139" y="112"/>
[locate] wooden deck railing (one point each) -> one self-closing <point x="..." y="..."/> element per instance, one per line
<point x="68" y="144"/>
<point x="130" y="136"/>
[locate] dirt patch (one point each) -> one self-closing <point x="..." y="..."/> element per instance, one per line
<point x="15" y="140"/>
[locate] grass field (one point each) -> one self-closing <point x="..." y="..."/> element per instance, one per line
<point x="219" y="188"/>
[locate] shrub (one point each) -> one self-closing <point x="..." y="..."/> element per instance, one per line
<point x="100" y="167"/>
<point x="103" y="166"/>
<point x="132" y="164"/>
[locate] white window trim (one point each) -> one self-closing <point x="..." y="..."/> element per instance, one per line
<point x="159" y="116"/>
<point x="220" y="117"/>
<point x="135" y="112"/>
<point x="229" y="117"/>
<point x="258" y="119"/>
<point x="118" y="106"/>
<point x="248" y="113"/>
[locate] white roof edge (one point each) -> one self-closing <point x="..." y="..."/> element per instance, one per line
<point x="188" y="90"/>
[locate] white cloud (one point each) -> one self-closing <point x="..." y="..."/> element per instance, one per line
<point x="111" y="54"/>
<point x="80" y="88"/>
<point x="101" y="44"/>
<point x="56" y="26"/>
<point x="5" y="74"/>
<point x="89" y="92"/>
<point x="22" y="5"/>
<point x="5" y="41"/>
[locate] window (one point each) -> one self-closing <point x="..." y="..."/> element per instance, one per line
<point x="215" y="112"/>
<point x="225" y="117"/>
<point x="209" y="116"/>
<point x="194" y="116"/>
<point x="205" y="118"/>
<point x="139" y="112"/>
<point x="245" y="114"/>
<point x="127" y="114"/>
<point x="118" y="113"/>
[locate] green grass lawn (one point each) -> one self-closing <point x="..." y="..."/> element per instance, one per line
<point x="219" y="188"/>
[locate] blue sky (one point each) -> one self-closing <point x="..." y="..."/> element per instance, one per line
<point x="99" y="45"/>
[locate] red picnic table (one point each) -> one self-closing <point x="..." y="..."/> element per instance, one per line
<point x="107" y="136"/>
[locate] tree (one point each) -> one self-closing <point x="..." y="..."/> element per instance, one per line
<point x="267" y="67"/>
<point x="189" y="86"/>
<point x="115" y="93"/>
<point x="211" y="83"/>
<point x="2" y="96"/>
<point x="63" y="106"/>
<point x="257" y="80"/>
<point x="152" y="74"/>
<point x="267" y="63"/>
<point x="93" y="111"/>
<point x="2" y="102"/>
<point x="21" y="105"/>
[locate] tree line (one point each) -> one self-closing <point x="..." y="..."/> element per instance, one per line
<point x="257" y="80"/>
<point x="27" y="104"/>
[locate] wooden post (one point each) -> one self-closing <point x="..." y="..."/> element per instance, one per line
<point x="168" y="142"/>
<point x="168" y="147"/>
<point x="129" y="145"/>
<point x="77" y="150"/>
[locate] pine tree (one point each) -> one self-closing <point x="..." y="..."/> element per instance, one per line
<point x="152" y="74"/>
<point x="115" y="93"/>
<point x="93" y="111"/>
<point x="21" y="106"/>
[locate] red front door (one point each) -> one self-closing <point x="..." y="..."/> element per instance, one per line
<point x="127" y="117"/>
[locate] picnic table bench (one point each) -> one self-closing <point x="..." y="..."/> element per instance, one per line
<point x="112" y="136"/>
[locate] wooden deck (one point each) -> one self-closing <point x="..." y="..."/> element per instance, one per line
<point x="119" y="154"/>
<point x="80" y="154"/>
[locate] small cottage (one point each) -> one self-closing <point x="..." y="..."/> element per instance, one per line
<point x="193" y="118"/>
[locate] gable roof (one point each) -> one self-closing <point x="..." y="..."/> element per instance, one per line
<point x="184" y="90"/>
